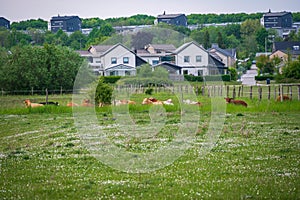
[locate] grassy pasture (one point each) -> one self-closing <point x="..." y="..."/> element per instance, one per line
<point x="257" y="155"/>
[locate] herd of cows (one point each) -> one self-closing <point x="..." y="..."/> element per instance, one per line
<point x="146" y="101"/>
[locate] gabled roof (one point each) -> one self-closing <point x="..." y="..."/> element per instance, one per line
<point x="184" y="46"/>
<point x="214" y="62"/>
<point x="104" y="49"/>
<point x="171" y="65"/>
<point x="2" y="18"/>
<point x="225" y="52"/>
<point x="120" y="66"/>
<point x="169" y="16"/>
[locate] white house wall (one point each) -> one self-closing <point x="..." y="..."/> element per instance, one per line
<point x="192" y="51"/>
<point x="118" y="52"/>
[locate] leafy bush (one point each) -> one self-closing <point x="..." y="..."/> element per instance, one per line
<point x="264" y="77"/>
<point x="149" y="91"/>
<point x="103" y="92"/>
<point x="191" y="78"/>
<point x="111" y="79"/>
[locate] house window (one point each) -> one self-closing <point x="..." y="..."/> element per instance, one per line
<point x="155" y="62"/>
<point x="113" y="73"/>
<point x="200" y="72"/>
<point x="113" y="60"/>
<point x="185" y="72"/>
<point x="127" y="73"/>
<point x="186" y="59"/>
<point x="296" y="48"/>
<point x="198" y="58"/>
<point x="125" y="60"/>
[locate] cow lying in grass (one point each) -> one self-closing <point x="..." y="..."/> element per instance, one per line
<point x="32" y="105"/>
<point x="236" y="102"/>
<point x="124" y="102"/>
<point x="50" y="103"/>
<point x="190" y="102"/>
<point x="284" y="98"/>
<point x="153" y="101"/>
<point x="72" y="104"/>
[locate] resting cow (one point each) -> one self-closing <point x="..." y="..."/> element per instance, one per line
<point x="32" y="105"/>
<point x="284" y="98"/>
<point x="236" y="102"/>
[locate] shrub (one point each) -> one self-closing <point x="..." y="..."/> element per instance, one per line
<point x="149" y="91"/>
<point x="111" y="79"/>
<point x="264" y="77"/>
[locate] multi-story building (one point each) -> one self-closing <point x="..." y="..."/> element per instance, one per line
<point x="4" y="23"/>
<point x="277" y="20"/>
<point x="68" y="24"/>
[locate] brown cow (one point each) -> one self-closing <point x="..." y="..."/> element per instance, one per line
<point x="32" y="105"/>
<point x="284" y="98"/>
<point x="152" y="100"/>
<point x="72" y="104"/>
<point x="237" y="102"/>
<point x="87" y="103"/>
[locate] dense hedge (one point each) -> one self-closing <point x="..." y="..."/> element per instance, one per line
<point x="264" y="77"/>
<point x="111" y="79"/>
<point x="225" y="77"/>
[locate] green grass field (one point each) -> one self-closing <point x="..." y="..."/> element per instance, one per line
<point x="257" y="155"/>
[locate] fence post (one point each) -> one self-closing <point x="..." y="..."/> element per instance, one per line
<point x="233" y="92"/>
<point x="281" y="96"/>
<point x="221" y="92"/>
<point x="2" y="91"/>
<point x="260" y="92"/>
<point x="251" y="92"/>
<point x="242" y="90"/>
<point x="60" y="90"/>
<point x="46" y="95"/>
<point x="203" y="90"/>
<point x="275" y="93"/>
<point x="31" y="91"/>
<point x="239" y="93"/>
<point x="227" y="92"/>
<point x="298" y="92"/>
<point x="269" y="92"/>
<point x="291" y="92"/>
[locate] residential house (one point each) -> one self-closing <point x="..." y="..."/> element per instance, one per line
<point x="157" y="53"/>
<point x="195" y="60"/>
<point x="283" y="50"/>
<point x="68" y="24"/>
<point x="112" y="60"/>
<point x="172" y="19"/>
<point x="4" y="23"/>
<point x="227" y="56"/>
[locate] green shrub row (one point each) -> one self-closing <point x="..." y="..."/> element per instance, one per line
<point x="111" y="79"/>
<point x="264" y="77"/>
<point x="191" y="78"/>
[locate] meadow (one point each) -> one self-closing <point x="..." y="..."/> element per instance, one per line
<point x="257" y="155"/>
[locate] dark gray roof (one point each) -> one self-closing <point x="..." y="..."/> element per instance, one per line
<point x="169" y="16"/>
<point x="285" y="45"/>
<point x="64" y="17"/>
<point x="226" y="52"/>
<point x="4" y="19"/>
<point x="276" y="14"/>
<point x="213" y="62"/>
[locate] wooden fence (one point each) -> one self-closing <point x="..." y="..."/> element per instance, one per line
<point x="235" y="91"/>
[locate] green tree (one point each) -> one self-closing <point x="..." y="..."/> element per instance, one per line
<point x="103" y="92"/>
<point x="292" y="70"/>
<point x="206" y="40"/>
<point x="220" y="41"/>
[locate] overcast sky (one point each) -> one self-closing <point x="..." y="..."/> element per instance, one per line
<point x="18" y="10"/>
